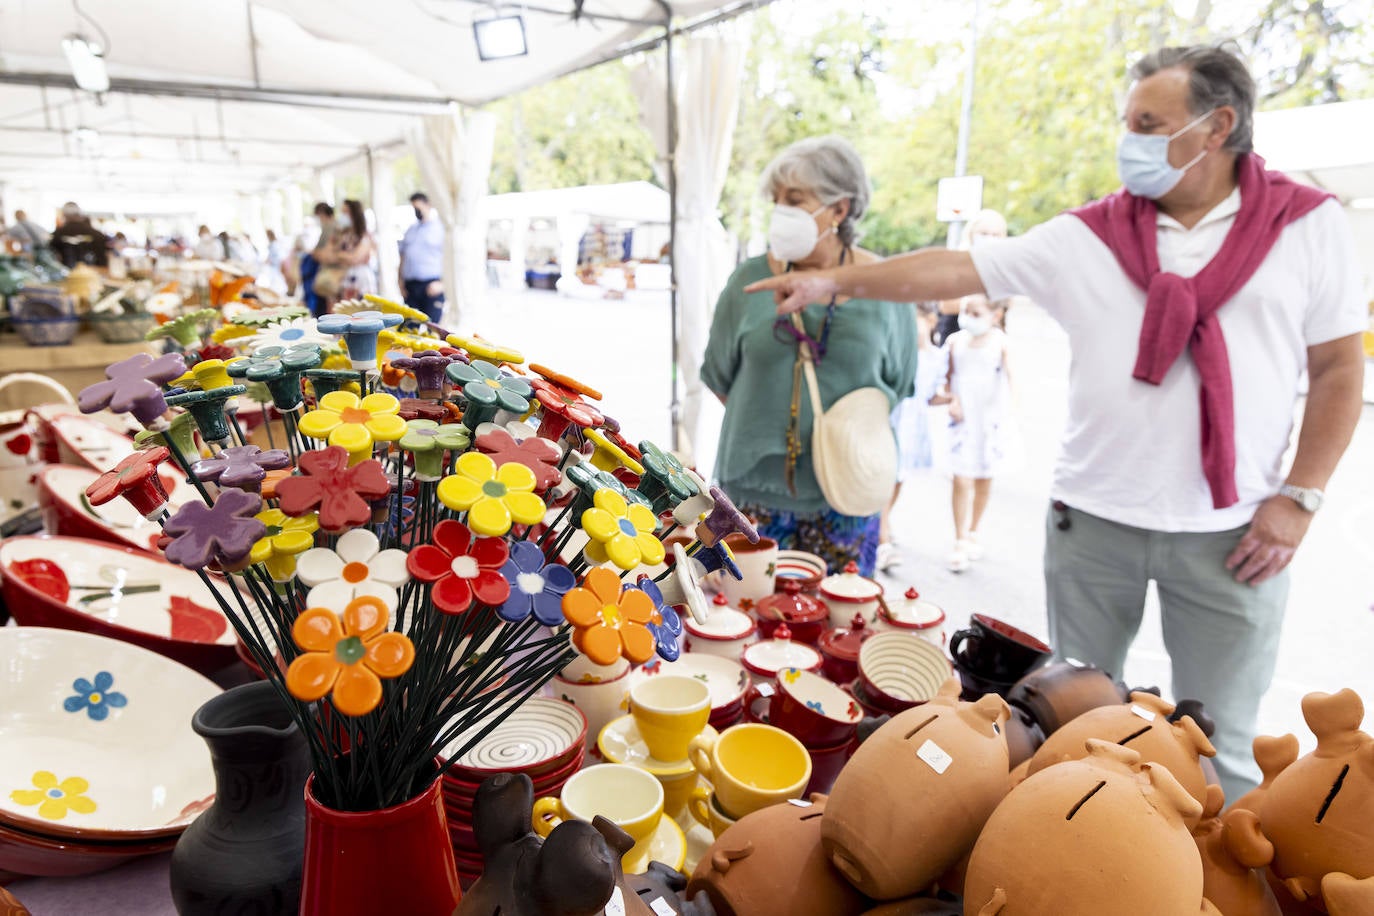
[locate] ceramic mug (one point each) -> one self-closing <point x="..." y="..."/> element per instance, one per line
<point x="601" y="702"/>
<point x="707" y="812"/>
<point x="813" y="710"/>
<point x="757" y="565"/>
<point x="752" y="766"/>
<point x="670" y="710"/>
<point x="677" y="792"/>
<point x="627" y="795"/>
<point x="995" y="650"/>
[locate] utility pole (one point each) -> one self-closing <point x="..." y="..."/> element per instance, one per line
<point x="956" y="228"/>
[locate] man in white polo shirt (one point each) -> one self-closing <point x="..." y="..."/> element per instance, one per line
<point x="1194" y="298"/>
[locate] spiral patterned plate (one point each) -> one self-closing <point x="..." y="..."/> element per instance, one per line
<point x="541" y="735"/>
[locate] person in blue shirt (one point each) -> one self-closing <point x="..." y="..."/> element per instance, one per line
<point x="422" y="259"/>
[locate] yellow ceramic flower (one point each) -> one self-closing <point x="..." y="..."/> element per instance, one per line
<point x="212" y="374"/>
<point x="54" y="799"/>
<point x="287" y="537"/>
<point x="485" y="349"/>
<point x="609" y="456"/>
<point x="346" y="655"/>
<point x="387" y="306"/>
<point x="355" y="424"/>
<point x="336" y="359"/>
<point x="231" y="332"/>
<point x="621" y="532"/>
<point x="493" y="497"/>
<point x="391" y="339"/>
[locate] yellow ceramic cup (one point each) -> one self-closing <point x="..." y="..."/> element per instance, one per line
<point x="627" y="795"/>
<point x="706" y="810"/>
<point x="670" y="710"/>
<point x="677" y="790"/>
<point x="752" y="766"/>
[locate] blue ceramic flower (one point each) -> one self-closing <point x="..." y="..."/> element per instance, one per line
<point x="359" y="332"/>
<point x="669" y="627"/>
<point x="97" y="699"/>
<point x="534" y="587"/>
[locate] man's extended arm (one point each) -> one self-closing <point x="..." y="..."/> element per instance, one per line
<point x="921" y="276"/>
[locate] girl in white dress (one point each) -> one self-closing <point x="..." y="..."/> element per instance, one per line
<point x="979" y="385"/>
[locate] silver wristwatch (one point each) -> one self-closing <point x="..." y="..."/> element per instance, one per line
<point x="1310" y="498"/>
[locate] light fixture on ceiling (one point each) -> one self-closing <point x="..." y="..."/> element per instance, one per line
<point x="501" y="37"/>
<point x="87" y="61"/>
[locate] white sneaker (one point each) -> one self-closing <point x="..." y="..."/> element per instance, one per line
<point x="958" y="560"/>
<point x="888" y="557"/>
<point x="972" y="547"/>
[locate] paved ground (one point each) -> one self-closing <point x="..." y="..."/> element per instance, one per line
<point x="623" y="348"/>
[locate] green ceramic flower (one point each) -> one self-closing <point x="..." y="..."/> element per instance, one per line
<point x="280" y="368"/>
<point x="179" y="436"/>
<point x="207" y="410"/>
<point x="185" y="330"/>
<point x="665" y="481"/>
<point x="486" y="390"/>
<point x="427" y="441"/>
<point x="257" y="318"/>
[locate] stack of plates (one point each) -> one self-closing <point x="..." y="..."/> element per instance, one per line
<point x="544" y="739"/>
<point x="100" y="764"/>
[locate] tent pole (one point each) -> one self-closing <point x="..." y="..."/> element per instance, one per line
<point x="675" y="403"/>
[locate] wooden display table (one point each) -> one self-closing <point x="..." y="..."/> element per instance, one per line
<point x="80" y="363"/>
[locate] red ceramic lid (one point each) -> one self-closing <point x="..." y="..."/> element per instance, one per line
<point x="791" y="605"/>
<point x="844" y="642"/>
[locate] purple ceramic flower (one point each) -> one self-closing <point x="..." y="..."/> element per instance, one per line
<point x="243" y="467"/>
<point x="133" y="386"/>
<point x="223" y="533"/>
<point x="668" y="627"/>
<point x="428" y="368"/>
<point x="724" y="519"/>
<point x="534" y="587"/>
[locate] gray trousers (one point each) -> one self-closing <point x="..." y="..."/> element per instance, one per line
<point x="1222" y="636"/>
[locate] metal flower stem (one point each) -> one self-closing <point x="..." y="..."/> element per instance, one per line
<point x="239" y="437"/>
<point x="185" y="466"/>
<point x="267" y="424"/>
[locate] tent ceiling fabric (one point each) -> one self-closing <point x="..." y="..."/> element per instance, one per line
<point x="420" y="49"/>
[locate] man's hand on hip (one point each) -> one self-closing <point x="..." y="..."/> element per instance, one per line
<point x="1267" y="548"/>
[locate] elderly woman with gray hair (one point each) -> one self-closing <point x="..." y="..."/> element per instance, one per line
<point x="819" y="190"/>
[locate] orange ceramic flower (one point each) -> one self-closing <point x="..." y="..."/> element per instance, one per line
<point x="347" y="654"/>
<point x="610" y="621"/>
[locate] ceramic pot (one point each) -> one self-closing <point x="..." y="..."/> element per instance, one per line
<point x="1062" y="691"/>
<point x="913" y="798"/>
<point x="996" y="650"/>
<point x="764" y="659"/>
<point x="826" y="764"/>
<point x="1106" y="834"/>
<point x="757" y="565"/>
<point x="772" y="863"/>
<point x="244" y="853"/>
<point x="600" y="701"/>
<point x="807" y="568"/>
<point x="849" y="593"/>
<point x="913" y="614"/>
<point x="806" y="617"/>
<point x="397" y="859"/>
<point x="840" y="649"/>
<point x="725" y="632"/>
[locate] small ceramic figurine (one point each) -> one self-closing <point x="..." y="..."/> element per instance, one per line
<point x="662" y="886"/>
<point x="1144" y="725"/>
<point x="772" y="863"/>
<point x="916" y="793"/>
<point x="1234" y="889"/>
<point x="1312" y="822"/>
<point x="1106" y="834"/>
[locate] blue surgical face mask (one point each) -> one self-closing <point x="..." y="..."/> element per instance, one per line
<point x="1142" y="161"/>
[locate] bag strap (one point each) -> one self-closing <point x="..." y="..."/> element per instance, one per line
<point x="809" y="368"/>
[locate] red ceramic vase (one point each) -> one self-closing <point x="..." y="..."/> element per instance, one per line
<point x="394" y="860"/>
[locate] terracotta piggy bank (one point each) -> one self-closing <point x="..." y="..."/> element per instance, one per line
<point x="912" y="799"/>
<point x="1102" y="835"/>
<point x="1313" y="823"/>
<point x="771" y="863"/>
<point x="1143" y="725"/>
<point x="1233" y="888"/>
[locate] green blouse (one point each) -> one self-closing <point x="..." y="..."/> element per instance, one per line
<point x="871" y="343"/>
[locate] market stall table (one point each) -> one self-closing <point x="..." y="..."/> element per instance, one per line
<point x="73" y="366"/>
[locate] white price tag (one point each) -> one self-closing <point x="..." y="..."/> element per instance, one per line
<point x="799" y="802"/>
<point x="616" y="905"/>
<point x="1146" y="714"/>
<point x="935" y="756"/>
<point x="662" y="907"/>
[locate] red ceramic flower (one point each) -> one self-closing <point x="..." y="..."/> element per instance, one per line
<point x="461" y="567"/>
<point x="562" y="407"/>
<point x="341" y="494"/>
<point x="136" y="479"/>
<point x="536" y="453"/>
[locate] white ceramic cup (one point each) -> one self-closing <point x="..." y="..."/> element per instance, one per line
<point x="757" y="565"/>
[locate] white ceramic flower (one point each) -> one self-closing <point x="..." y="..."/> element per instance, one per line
<point x="683" y="586"/>
<point x="289" y="333"/>
<point x="357" y="566"/>
<point x="690" y="510"/>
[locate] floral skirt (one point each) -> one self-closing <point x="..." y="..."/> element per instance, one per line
<point x="835" y="538"/>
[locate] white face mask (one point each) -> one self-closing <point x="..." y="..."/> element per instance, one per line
<point x="1142" y="161"/>
<point x="975" y="326"/>
<point x="344" y="222"/>
<point x="792" y="233"/>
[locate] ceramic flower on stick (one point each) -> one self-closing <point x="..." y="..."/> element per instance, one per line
<point x="409" y="573"/>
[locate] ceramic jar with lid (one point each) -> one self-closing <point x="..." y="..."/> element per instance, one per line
<point x="806" y="617"/>
<point x="849" y="593"/>
<point x="915" y="615"/>
<point x="725" y="632"/>
<point x="765" y="658"/>
<point x="840" y="650"/>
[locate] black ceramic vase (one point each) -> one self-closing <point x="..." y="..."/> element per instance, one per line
<point x="243" y="855"/>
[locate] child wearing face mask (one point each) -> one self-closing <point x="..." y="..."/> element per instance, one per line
<point x="978" y="385"/>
